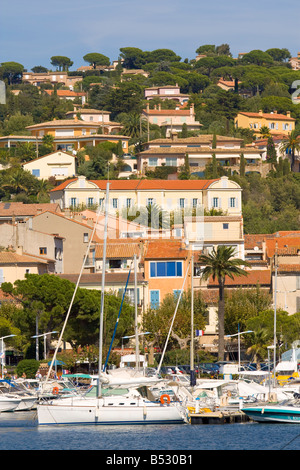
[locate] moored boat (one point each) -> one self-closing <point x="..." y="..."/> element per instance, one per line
<point x="287" y="411"/>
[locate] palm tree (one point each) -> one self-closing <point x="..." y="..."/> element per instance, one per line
<point x="219" y="264"/>
<point x="291" y="144"/>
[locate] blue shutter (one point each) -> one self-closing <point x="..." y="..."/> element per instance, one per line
<point x="154" y="299"/>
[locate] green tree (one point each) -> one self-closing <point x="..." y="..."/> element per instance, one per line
<point x="39" y="69"/>
<point x="219" y="264"/>
<point x="257" y="57"/>
<point x="291" y="145"/>
<point x="94" y="59"/>
<point x="158" y="321"/>
<point x="62" y="62"/>
<point x="242" y="165"/>
<point x="12" y="71"/>
<point x="271" y="151"/>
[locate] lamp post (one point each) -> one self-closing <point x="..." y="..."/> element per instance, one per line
<point x="3" y="352"/>
<point x="239" y="343"/>
<point x="44" y="335"/>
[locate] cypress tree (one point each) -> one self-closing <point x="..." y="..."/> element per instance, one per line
<point x="242" y="165"/>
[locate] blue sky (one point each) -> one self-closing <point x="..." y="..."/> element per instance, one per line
<point x="33" y="31"/>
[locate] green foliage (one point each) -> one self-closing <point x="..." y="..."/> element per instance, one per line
<point x="48" y="297"/>
<point x="158" y="321"/>
<point x="94" y="59"/>
<point x="62" y="62"/>
<point x="29" y="367"/>
<point x="243" y="304"/>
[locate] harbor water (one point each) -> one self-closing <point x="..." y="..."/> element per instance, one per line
<point x="20" y="431"/>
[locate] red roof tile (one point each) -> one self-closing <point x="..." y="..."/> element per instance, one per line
<point x="254" y="277"/>
<point x="145" y="185"/>
<point x="165" y="249"/>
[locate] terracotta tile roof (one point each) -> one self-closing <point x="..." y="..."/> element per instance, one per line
<point x="88" y="111"/>
<point x="10" y="257"/>
<point x="145" y="185"/>
<point x="254" y="277"/>
<point x="118" y="249"/>
<point x="65" y="93"/>
<point x="200" y="139"/>
<point x="285" y="245"/>
<point x="63" y="123"/>
<point x="18" y="208"/>
<point x="199" y="150"/>
<point x="274" y="116"/>
<point x="165" y="249"/>
<point x="253" y="240"/>
<point x="96" y="278"/>
<point x="167" y="112"/>
<point x="48" y="155"/>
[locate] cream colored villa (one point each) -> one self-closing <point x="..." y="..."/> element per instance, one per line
<point x="199" y="150"/>
<point x="222" y="194"/>
<point x="61" y="165"/>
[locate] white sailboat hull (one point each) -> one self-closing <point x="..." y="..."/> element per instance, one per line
<point x="107" y="412"/>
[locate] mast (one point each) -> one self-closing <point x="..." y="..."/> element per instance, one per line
<point x="275" y="310"/>
<point x="192" y="371"/>
<point x="102" y="289"/>
<point x="137" y="353"/>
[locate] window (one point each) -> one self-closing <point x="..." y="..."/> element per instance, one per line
<point x="195" y="202"/>
<point x="166" y="269"/>
<point x="128" y="202"/>
<point x="152" y="161"/>
<point x="36" y="172"/>
<point x="73" y="201"/>
<point x="181" y="202"/>
<point x="215" y="202"/>
<point x="90" y="201"/>
<point x="85" y="237"/>
<point x="225" y="226"/>
<point x="232" y="202"/>
<point x="150" y="201"/>
<point x="170" y="161"/>
<point x="43" y="250"/>
<point x="115" y="203"/>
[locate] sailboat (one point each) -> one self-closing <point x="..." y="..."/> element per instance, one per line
<point x="102" y="405"/>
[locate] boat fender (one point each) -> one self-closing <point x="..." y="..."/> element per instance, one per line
<point x="163" y="397"/>
<point x="55" y="390"/>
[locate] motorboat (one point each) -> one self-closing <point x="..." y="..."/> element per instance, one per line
<point x="26" y="399"/>
<point x="8" y="403"/>
<point x="287" y="411"/>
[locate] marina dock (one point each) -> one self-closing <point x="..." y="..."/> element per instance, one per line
<point x="219" y="417"/>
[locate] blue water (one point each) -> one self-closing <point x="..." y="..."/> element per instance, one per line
<point x="19" y="431"/>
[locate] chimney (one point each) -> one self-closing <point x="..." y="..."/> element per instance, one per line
<point x="288" y="114"/>
<point x="192" y="109"/>
<point x="19" y="250"/>
<point x="159" y="107"/>
<point x="260" y="112"/>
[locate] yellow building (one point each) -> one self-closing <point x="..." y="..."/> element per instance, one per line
<point x="275" y="122"/>
<point x="220" y="194"/>
<point x="75" y="134"/>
